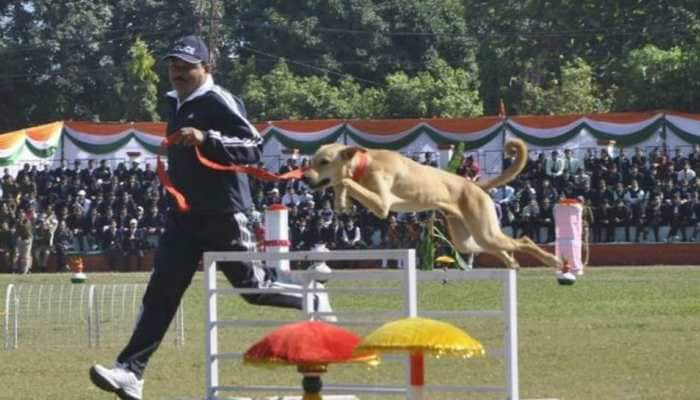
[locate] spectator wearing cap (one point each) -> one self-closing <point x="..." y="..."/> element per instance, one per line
<point x="350" y="236"/>
<point x="639" y="159"/>
<point x="546" y="219"/>
<point x="135" y="170"/>
<point x="91" y="230"/>
<point x="526" y="193"/>
<point x="326" y="213"/>
<point x="75" y="221"/>
<point x="83" y="202"/>
<point x="686" y="174"/>
<point x="290" y="197"/>
<point x="622" y="217"/>
<point x="103" y="172"/>
<point x="25" y="171"/>
<point x="273" y="197"/>
<point x="112" y="240"/>
<point x="393" y="235"/>
<point x="7" y="247"/>
<point x="470" y="169"/>
<point x="133" y="245"/>
<point x="123" y="218"/>
<point x="547" y="191"/>
<point x="62" y="173"/>
<point x="429" y="160"/>
<point x="554" y="167"/>
<point x="125" y="202"/>
<point x="694" y="221"/>
<point x="604" y="229"/>
<point x="133" y="187"/>
<point x="23" y="245"/>
<point x="63" y="242"/>
<point x="85" y="174"/>
<point x="680" y="219"/>
<point x="26" y="185"/>
<point x="153" y="222"/>
<point x="121" y="172"/>
<point x="42" y="178"/>
<point x="530" y="218"/>
<point x="301" y="236"/>
<point x="10" y="189"/>
<point x="412" y="234"/>
<point x="41" y="248"/>
<point x="148" y="176"/>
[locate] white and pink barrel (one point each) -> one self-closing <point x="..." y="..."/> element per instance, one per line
<point x="568" y="222"/>
<point x="277" y="234"/>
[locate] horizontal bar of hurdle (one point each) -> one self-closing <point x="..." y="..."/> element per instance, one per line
<point x="408" y="277"/>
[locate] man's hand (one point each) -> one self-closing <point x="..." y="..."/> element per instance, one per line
<point x="189" y="136"/>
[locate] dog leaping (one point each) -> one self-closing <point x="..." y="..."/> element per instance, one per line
<point x="385" y="181"/>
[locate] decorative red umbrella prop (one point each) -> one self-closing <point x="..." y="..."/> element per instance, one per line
<point x="311" y="346"/>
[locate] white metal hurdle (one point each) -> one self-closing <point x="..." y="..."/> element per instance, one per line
<point x="408" y="278"/>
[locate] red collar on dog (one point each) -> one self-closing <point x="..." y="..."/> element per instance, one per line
<point x="361" y="166"/>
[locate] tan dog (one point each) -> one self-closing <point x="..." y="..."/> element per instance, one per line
<point x="384" y="181"/>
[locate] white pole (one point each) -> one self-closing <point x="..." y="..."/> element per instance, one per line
<point x="211" y="329"/>
<point x="16" y="319"/>
<point x="8" y="298"/>
<point x="92" y="318"/>
<point x="277" y="234"/>
<point x="510" y="309"/>
<point x="411" y="310"/>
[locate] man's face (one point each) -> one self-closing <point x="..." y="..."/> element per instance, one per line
<point x="185" y="77"/>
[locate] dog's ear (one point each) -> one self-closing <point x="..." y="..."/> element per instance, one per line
<point x="349" y="152"/>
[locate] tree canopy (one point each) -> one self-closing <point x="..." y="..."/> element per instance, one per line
<point x="98" y="60"/>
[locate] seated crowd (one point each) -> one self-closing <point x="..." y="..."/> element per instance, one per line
<point x="81" y="209"/>
<point x="119" y="211"/>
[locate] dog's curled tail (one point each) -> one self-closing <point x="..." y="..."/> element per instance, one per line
<point x="513" y="147"/>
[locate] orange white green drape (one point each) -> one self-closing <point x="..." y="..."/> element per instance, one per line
<point x="83" y="139"/>
<point x="37" y="142"/>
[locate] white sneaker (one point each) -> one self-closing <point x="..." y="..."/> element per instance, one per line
<point x="321" y="303"/>
<point x="118" y="380"/>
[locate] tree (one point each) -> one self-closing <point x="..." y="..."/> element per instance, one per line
<point x="139" y="90"/>
<point x="575" y="92"/>
<point x="528" y="41"/>
<point x="660" y="79"/>
<point x="442" y="91"/>
<point x="281" y="94"/>
<point x="364" y="39"/>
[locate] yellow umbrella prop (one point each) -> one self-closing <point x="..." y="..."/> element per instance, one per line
<point x="419" y="336"/>
<point x="445" y="261"/>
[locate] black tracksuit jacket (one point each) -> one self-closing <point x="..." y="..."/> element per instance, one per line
<point x="230" y="138"/>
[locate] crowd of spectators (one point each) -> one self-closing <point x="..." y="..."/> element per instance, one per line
<point x="86" y="208"/>
<point x="119" y="212"/>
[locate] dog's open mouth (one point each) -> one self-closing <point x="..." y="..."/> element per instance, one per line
<point x="320" y="184"/>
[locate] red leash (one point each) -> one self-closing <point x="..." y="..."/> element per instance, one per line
<point x="256" y="172"/>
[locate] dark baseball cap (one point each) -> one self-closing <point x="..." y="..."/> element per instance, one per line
<point x="191" y="49"/>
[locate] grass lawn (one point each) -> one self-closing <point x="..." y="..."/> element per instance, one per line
<point x="619" y="333"/>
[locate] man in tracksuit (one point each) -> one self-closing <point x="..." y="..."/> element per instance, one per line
<point x="207" y="116"/>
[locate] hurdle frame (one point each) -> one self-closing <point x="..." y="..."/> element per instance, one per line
<point x="410" y="279"/>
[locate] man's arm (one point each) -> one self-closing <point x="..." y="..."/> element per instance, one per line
<point x="232" y="140"/>
<point x="237" y="141"/>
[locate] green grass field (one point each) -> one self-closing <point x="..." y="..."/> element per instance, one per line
<point x="619" y="333"/>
